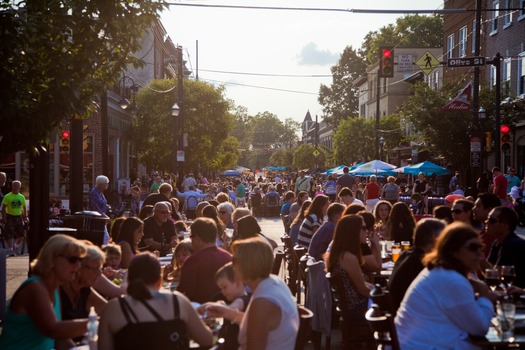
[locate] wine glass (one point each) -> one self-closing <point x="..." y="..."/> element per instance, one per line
<point x="508" y="275"/>
<point x="492" y="278"/>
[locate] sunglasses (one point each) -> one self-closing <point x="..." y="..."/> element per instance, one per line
<point x="223" y="212"/>
<point x="473" y="247"/>
<point x="457" y="211"/>
<point x="72" y="259"/>
<point x="162" y="212"/>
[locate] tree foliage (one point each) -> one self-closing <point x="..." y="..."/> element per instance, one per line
<point x="354" y="139"/>
<point x="206" y="121"/>
<point x="303" y="157"/>
<point x="409" y="31"/>
<point x="443" y="133"/>
<point x="340" y="99"/>
<point x="56" y="56"/>
<point x="283" y="157"/>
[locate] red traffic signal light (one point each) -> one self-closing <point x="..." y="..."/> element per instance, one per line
<point x="64" y="141"/>
<point x="504" y="138"/>
<point x="65" y="134"/>
<point x="386" y="62"/>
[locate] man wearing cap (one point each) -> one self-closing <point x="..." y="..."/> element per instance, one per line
<point x="302" y="183"/>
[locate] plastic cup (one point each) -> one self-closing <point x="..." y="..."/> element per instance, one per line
<point x="506" y="315"/>
<point x="396" y="250"/>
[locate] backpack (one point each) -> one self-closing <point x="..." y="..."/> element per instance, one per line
<point x="273" y="199"/>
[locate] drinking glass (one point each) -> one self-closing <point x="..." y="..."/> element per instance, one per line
<point x="396" y="250"/>
<point x="508" y="275"/>
<point x="492" y="278"/>
<point x="405" y="245"/>
<point x="506" y="315"/>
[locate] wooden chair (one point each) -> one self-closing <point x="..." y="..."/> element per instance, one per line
<point x="305" y="326"/>
<point x="383" y="328"/>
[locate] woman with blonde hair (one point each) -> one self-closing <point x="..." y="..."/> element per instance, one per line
<point x="390" y="191"/>
<point x="33" y="318"/>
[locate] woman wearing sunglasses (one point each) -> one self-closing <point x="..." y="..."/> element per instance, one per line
<point x="440" y="308"/>
<point x="33" y="318"/>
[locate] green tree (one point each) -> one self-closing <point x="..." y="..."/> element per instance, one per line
<point x="354" y="141"/>
<point x="289" y="134"/>
<point x="206" y="121"/>
<point x="340" y="100"/>
<point x="283" y="157"/>
<point x="442" y="133"/>
<point x="303" y="157"/>
<point x="57" y="56"/>
<point x="409" y="31"/>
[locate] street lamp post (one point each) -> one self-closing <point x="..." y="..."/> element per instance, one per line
<point x="175" y="111"/>
<point x="482" y="114"/>
<point x="381" y="144"/>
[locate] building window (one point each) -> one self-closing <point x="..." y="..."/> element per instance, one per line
<point x="495" y="15"/>
<point x="521" y="14"/>
<point x="473" y="44"/>
<point x="450" y="46"/>
<point x="506" y="74"/>
<point x="507" y="18"/>
<point x="462" y="42"/>
<point x="492" y="79"/>
<point x="521" y="75"/>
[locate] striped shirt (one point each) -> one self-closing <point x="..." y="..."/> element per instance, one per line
<point x="306" y="231"/>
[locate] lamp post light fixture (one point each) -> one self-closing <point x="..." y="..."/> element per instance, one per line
<point x="381" y="144"/>
<point x="175" y="110"/>
<point x="127" y="92"/>
<point x="482" y="114"/>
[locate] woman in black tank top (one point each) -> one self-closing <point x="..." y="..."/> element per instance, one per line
<point x="150" y="317"/>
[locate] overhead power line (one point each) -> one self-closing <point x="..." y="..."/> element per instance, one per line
<point x="321" y="9"/>
<point x="270" y="74"/>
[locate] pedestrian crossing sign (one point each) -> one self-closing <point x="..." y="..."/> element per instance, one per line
<point x="316" y="153"/>
<point x="427" y="63"/>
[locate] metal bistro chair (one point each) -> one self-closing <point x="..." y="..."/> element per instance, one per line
<point x="383" y="328"/>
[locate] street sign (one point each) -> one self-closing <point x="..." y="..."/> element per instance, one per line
<point x="466" y="62"/>
<point x="180" y="156"/>
<point x="427" y="63"/>
<point x="475" y="152"/>
<point x="404" y="63"/>
<point x="316" y="153"/>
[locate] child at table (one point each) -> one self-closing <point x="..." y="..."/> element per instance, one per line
<point x="112" y="264"/>
<point x="235" y="293"/>
<point x="182" y="252"/>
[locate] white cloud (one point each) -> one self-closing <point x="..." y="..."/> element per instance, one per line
<point x="311" y="55"/>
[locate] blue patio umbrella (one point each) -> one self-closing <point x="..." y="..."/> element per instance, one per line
<point x="231" y="173"/>
<point x="427" y="168"/>
<point x="375" y="167"/>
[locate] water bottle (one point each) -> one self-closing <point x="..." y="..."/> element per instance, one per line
<point x="92" y="329"/>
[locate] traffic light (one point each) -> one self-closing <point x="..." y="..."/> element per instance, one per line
<point x="488" y="141"/>
<point x="386" y="62"/>
<point x="65" y="143"/>
<point x="504" y="138"/>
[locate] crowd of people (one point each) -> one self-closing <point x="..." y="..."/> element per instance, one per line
<point x="222" y="262"/>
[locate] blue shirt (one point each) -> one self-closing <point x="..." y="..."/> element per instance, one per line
<point x="97" y="201"/>
<point x="321" y="239"/>
<point x="285" y="209"/>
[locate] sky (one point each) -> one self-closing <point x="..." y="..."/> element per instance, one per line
<point x="275" y="60"/>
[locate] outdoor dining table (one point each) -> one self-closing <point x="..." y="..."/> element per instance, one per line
<point x="493" y="339"/>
